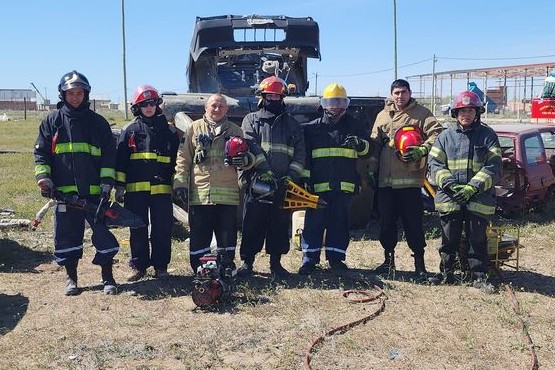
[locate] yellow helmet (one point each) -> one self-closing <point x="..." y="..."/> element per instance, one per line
<point x="334" y="90"/>
<point x="334" y="97"/>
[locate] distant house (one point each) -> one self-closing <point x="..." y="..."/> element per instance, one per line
<point x="18" y="99"/>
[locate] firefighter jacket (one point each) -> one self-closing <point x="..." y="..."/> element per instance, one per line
<point x="210" y="181"/>
<point x="76" y="150"/>
<point x="392" y="172"/>
<point x="466" y="156"/>
<point x="330" y="165"/>
<point x="146" y="155"/>
<point x="277" y="144"/>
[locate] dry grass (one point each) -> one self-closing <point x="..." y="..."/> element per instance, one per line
<point x="154" y="325"/>
<point x="269" y="325"/>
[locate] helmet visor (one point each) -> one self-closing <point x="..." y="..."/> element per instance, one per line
<point x="337" y="103"/>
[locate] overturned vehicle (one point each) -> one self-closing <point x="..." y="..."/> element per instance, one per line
<point x="232" y="54"/>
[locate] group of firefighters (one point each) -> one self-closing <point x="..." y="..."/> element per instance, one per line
<point x="149" y="169"/>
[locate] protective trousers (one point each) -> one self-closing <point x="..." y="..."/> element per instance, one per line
<point x="334" y="220"/>
<point x="264" y="222"/>
<point x="476" y="245"/>
<point x="207" y="220"/>
<point x="156" y="210"/>
<point x="405" y="204"/>
<point x="69" y="230"/>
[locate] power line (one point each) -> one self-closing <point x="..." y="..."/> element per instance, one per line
<point x="513" y="58"/>
<point x="374" y="72"/>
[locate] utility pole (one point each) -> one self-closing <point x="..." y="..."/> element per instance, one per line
<point x="395" y="38"/>
<point x="433" y="103"/>
<point x="316" y="84"/>
<point x="124" y="68"/>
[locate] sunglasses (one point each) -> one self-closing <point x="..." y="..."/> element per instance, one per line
<point x="148" y="103"/>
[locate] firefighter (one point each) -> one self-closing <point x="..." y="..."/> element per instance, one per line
<point x="209" y="183"/>
<point x="146" y="155"/>
<point x="276" y="140"/>
<point x="75" y="154"/>
<point x="333" y="144"/>
<point x="401" y="174"/>
<point x="465" y="163"/>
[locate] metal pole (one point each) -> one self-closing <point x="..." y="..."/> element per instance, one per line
<point x="433" y="103"/>
<point x="395" y="37"/>
<point x="124" y="68"/>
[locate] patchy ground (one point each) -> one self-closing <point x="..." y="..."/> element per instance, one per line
<point x="154" y="324"/>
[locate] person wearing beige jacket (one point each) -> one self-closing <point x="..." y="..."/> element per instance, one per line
<point x="401" y="176"/>
<point x="208" y="184"/>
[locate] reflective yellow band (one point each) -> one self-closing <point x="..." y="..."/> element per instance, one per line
<point x="146" y="186"/>
<point x="77" y="148"/>
<point x="334" y="152"/>
<point x="42" y="169"/>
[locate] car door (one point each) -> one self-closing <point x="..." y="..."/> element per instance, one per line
<point x="537" y="168"/>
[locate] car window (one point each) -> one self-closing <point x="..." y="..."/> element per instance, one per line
<point x="507" y="146"/>
<point x="533" y="148"/>
<point x="548" y="139"/>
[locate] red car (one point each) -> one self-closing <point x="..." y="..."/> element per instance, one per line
<point x="528" y="178"/>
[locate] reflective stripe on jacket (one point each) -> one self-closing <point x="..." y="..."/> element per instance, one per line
<point x="210" y="181"/>
<point x="330" y="165"/>
<point x="76" y="150"/>
<point x="466" y="156"/>
<point x="392" y="171"/>
<point x="276" y="142"/>
<point x="146" y="155"/>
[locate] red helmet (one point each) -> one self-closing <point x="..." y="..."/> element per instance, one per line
<point x="235" y="146"/>
<point x="273" y="85"/>
<point x="144" y="93"/>
<point x="406" y="136"/>
<point x="467" y="99"/>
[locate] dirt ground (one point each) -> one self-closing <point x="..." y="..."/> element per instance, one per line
<point x="153" y="324"/>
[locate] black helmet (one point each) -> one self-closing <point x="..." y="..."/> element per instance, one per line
<point x="72" y="80"/>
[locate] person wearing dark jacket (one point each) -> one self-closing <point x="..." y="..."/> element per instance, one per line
<point x="276" y="141"/>
<point x="75" y="154"/>
<point x="333" y="142"/>
<point x="465" y="163"/>
<point x="146" y="156"/>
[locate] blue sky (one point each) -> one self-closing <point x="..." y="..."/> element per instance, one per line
<point x="43" y="40"/>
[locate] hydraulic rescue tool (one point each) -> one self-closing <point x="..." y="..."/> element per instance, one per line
<point x="214" y="281"/>
<point x="111" y="213"/>
<point x="297" y="197"/>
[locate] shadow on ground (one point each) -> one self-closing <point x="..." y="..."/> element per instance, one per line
<point x="532" y="282"/>
<point x="15" y="257"/>
<point x="12" y="310"/>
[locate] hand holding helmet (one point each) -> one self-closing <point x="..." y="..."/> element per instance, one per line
<point x="241" y="160"/>
<point x="414" y="153"/>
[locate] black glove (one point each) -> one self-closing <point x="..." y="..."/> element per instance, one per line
<point x="120" y="194"/>
<point x="46" y="187"/>
<point x="354" y="142"/>
<point x="105" y="191"/>
<point x="200" y="155"/>
<point x="240" y="161"/>
<point x="180" y="195"/>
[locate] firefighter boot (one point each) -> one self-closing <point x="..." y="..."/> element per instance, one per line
<point x="108" y="279"/>
<point x="71" y="278"/>
<point x="246" y="269"/>
<point x="276" y="268"/>
<point x="388" y="265"/>
<point x="420" y="267"/>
